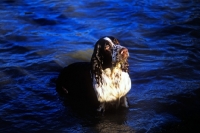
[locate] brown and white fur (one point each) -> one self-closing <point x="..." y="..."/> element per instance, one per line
<point x="113" y="83"/>
<point x="103" y="80"/>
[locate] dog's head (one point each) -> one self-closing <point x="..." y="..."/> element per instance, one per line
<point x="107" y="54"/>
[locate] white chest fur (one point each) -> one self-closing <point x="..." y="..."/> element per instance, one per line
<point x="115" y="84"/>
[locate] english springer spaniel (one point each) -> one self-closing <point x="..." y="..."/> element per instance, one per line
<point x="104" y="80"/>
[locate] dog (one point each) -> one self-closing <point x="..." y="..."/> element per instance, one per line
<point x="104" y="80"/>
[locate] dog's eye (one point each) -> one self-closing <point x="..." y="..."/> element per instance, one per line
<point x="107" y="47"/>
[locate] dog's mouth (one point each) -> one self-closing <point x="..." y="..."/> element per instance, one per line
<point x="121" y="64"/>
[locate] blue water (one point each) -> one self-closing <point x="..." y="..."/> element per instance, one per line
<point x="39" y="37"/>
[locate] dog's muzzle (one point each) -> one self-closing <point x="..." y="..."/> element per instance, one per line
<point x="120" y="54"/>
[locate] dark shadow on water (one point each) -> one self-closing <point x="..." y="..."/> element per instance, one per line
<point x="9" y="1"/>
<point x="44" y="21"/>
<point x="94" y="121"/>
<point x="186" y="108"/>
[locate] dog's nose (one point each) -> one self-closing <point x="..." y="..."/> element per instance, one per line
<point x="124" y="52"/>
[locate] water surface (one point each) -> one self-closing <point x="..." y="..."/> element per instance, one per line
<point x="38" y="38"/>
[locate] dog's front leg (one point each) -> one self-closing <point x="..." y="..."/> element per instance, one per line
<point x="124" y="102"/>
<point x="101" y="107"/>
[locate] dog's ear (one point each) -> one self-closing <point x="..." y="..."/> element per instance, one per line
<point x="96" y="60"/>
<point x="99" y="61"/>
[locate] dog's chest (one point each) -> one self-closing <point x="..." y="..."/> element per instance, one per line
<point x="115" y="84"/>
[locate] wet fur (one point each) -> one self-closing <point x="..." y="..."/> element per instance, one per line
<point x="111" y="80"/>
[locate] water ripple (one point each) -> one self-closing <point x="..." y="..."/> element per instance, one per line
<point x="40" y="37"/>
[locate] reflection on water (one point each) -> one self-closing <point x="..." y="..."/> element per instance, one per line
<point x="40" y="37"/>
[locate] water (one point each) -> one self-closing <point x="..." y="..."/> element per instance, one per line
<point x="40" y="37"/>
